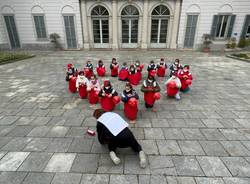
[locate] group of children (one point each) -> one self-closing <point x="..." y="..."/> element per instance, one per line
<point x="88" y="86"/>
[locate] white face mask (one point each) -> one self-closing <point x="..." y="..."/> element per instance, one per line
<point x="149" y="80"/>
<point x="185" y="70"/>
<point x="107" y="87"/>
<point x="176" y="63"/>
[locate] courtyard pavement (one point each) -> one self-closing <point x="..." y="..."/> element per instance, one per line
<point x="202" y="139"/>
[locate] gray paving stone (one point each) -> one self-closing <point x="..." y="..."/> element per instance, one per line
<point x="227" y="114"/>
<point x="2" y="154"/>
<point x="4" y="130"/>
<point x="179" y="114"/>
<point x="38" y="144"/>
<point x="235" y="148"/>
<point x="8" y="120"/>
<point x="173" y="133"/>
<point x="236" y="180"/>
<point x="138" y="133"/>
<point x="106" y="166"/>
<point x="162" y="165"/>
<point x="77" y="121"/>
<point x="238" y="166"/>
<point x="58" y="131"/>
<point x="85" y="163"/>
<point x="132" y="165"/>
<point x="94" y="178"/>
<point x="98" y="148"/>
<point x="213" y="167"/>
<point x="187" y="166"/>
<point x="191" y="148"/>
<point x="230" y="123"/>
<point x="201" y="180"/>
<point x="80" y="145"/>
<point x="12" y="160"/>
<point x="125" y="179"/>
<point x="40" y="112"/>
<point x="180" y="180"/>
<point x="20" y="131"/>
<point x="233" y="134"/>
<point x="59" y="145"/>
<point x="194" y="123"/>
<point x="212" y="123"/>
<point x="38" y="178"/>
<point x="24" y="120"/>
<point x="149" y="146"/>
<point x="56" y="112"/>
<point x="60" y="162"/>
<point x="66" y="178"/>
<point x="16" y="144"/>
<point x="211" y="114"/>
<point x="176" y="123"/>
<point x="244" y="122"/>
<point x="4" y="141"/>
<point x="25" y="112"/>
<point x="39" y="131"/>
<point x="153" y="133"/>
<point x="144" y="179"/>
<point x="160" y="123"/>
<point x="213" y="148"/>
<point x="158" y="179"/>
<point x="12" y="177"/>
<point x="41" y="121"/>
<point x="193" y="134"/>
<point x="144" y="123"/>
<point x="169" y="147"/>
<point x="213" y="134"/>
<point x="35" y="162"/>
<point x="77" y="132"/>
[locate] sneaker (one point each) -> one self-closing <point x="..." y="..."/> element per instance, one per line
<point x="143" y="159"/>
<point x="177" y="96"/>
<point x="114" y="158"/>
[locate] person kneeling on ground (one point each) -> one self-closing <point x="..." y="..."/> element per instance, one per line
<point x="113" y="131"/>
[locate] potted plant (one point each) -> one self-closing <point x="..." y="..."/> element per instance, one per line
<point x="206" y="42"/>
<point x="54" y="38"/>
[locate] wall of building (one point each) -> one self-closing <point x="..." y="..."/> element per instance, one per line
<point x="206" y="10"/>
<point x="53" y="10"/>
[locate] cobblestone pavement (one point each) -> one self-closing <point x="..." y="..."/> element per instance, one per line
<point x="202" y="139"/>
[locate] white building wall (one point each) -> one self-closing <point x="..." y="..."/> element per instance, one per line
<point x="207" y="10"/>
<point x="53" y="21"/>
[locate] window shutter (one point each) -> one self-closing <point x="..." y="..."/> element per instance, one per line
<point x="231" y="25"/>
<point x="214" y="26"/>
<point x="245" y="26"/>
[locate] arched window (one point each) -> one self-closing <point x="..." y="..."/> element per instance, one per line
<point x="159" y="26"/>
<point x="130" y="18"/>
<point x="100" y="20"/>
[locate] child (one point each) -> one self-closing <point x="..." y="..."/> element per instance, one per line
<point x="71" y="71"/>
<point x="139" y="68"/>
<point x="119" y="136"/>
<point x="130" y="99"/>
<point x="109" y="97"/>
<point x="114" y="66"/>
<point x="123" y="73"/>
<point x="175" y="67"/>
<point x="151" y="90"/>
<point x="151" y="68"/>
<point x="173" y="86"/>
<point x="81" y="85"/>
<point x="161" y="68"/>
<point x="100" y="69"/>
<point x="93" y="89"/>
<point x="186" y="78"/>
<point x="88" y="70"/>
<point x="133" y="77"/>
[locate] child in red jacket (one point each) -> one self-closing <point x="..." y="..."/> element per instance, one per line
<point x="93" y="89"/>
<point x="151" y="90"/>
<point x="152" y="68"/>
<point x="161" y="68"/>
<point x="130" y="99"/>
<point x="100" y="69"/>
<point x="123" y="73"/>
<point x="109" y="96"/>
<point x="186" y="79"/>
<point x="133" y="76"/>
<point x="88" y="70"/>
<point x="139" y="68"/>
<point x="114" y="66"/>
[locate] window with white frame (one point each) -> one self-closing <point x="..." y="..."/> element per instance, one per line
<point x="159" y="25"/>
<point x="100" y="21"/>
<point x="40" y="26"/>
<point x="222" y="26"/>
<point x="130" y="18"/>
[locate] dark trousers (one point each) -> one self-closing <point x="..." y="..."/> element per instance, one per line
<point x="148" y="106"/>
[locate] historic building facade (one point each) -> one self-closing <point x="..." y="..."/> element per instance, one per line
<point x="121" y="24"/>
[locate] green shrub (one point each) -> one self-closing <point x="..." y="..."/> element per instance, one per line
<point x="12" y="56"/>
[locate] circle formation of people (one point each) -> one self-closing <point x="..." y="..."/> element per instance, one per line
<point x="86" y="83"/>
